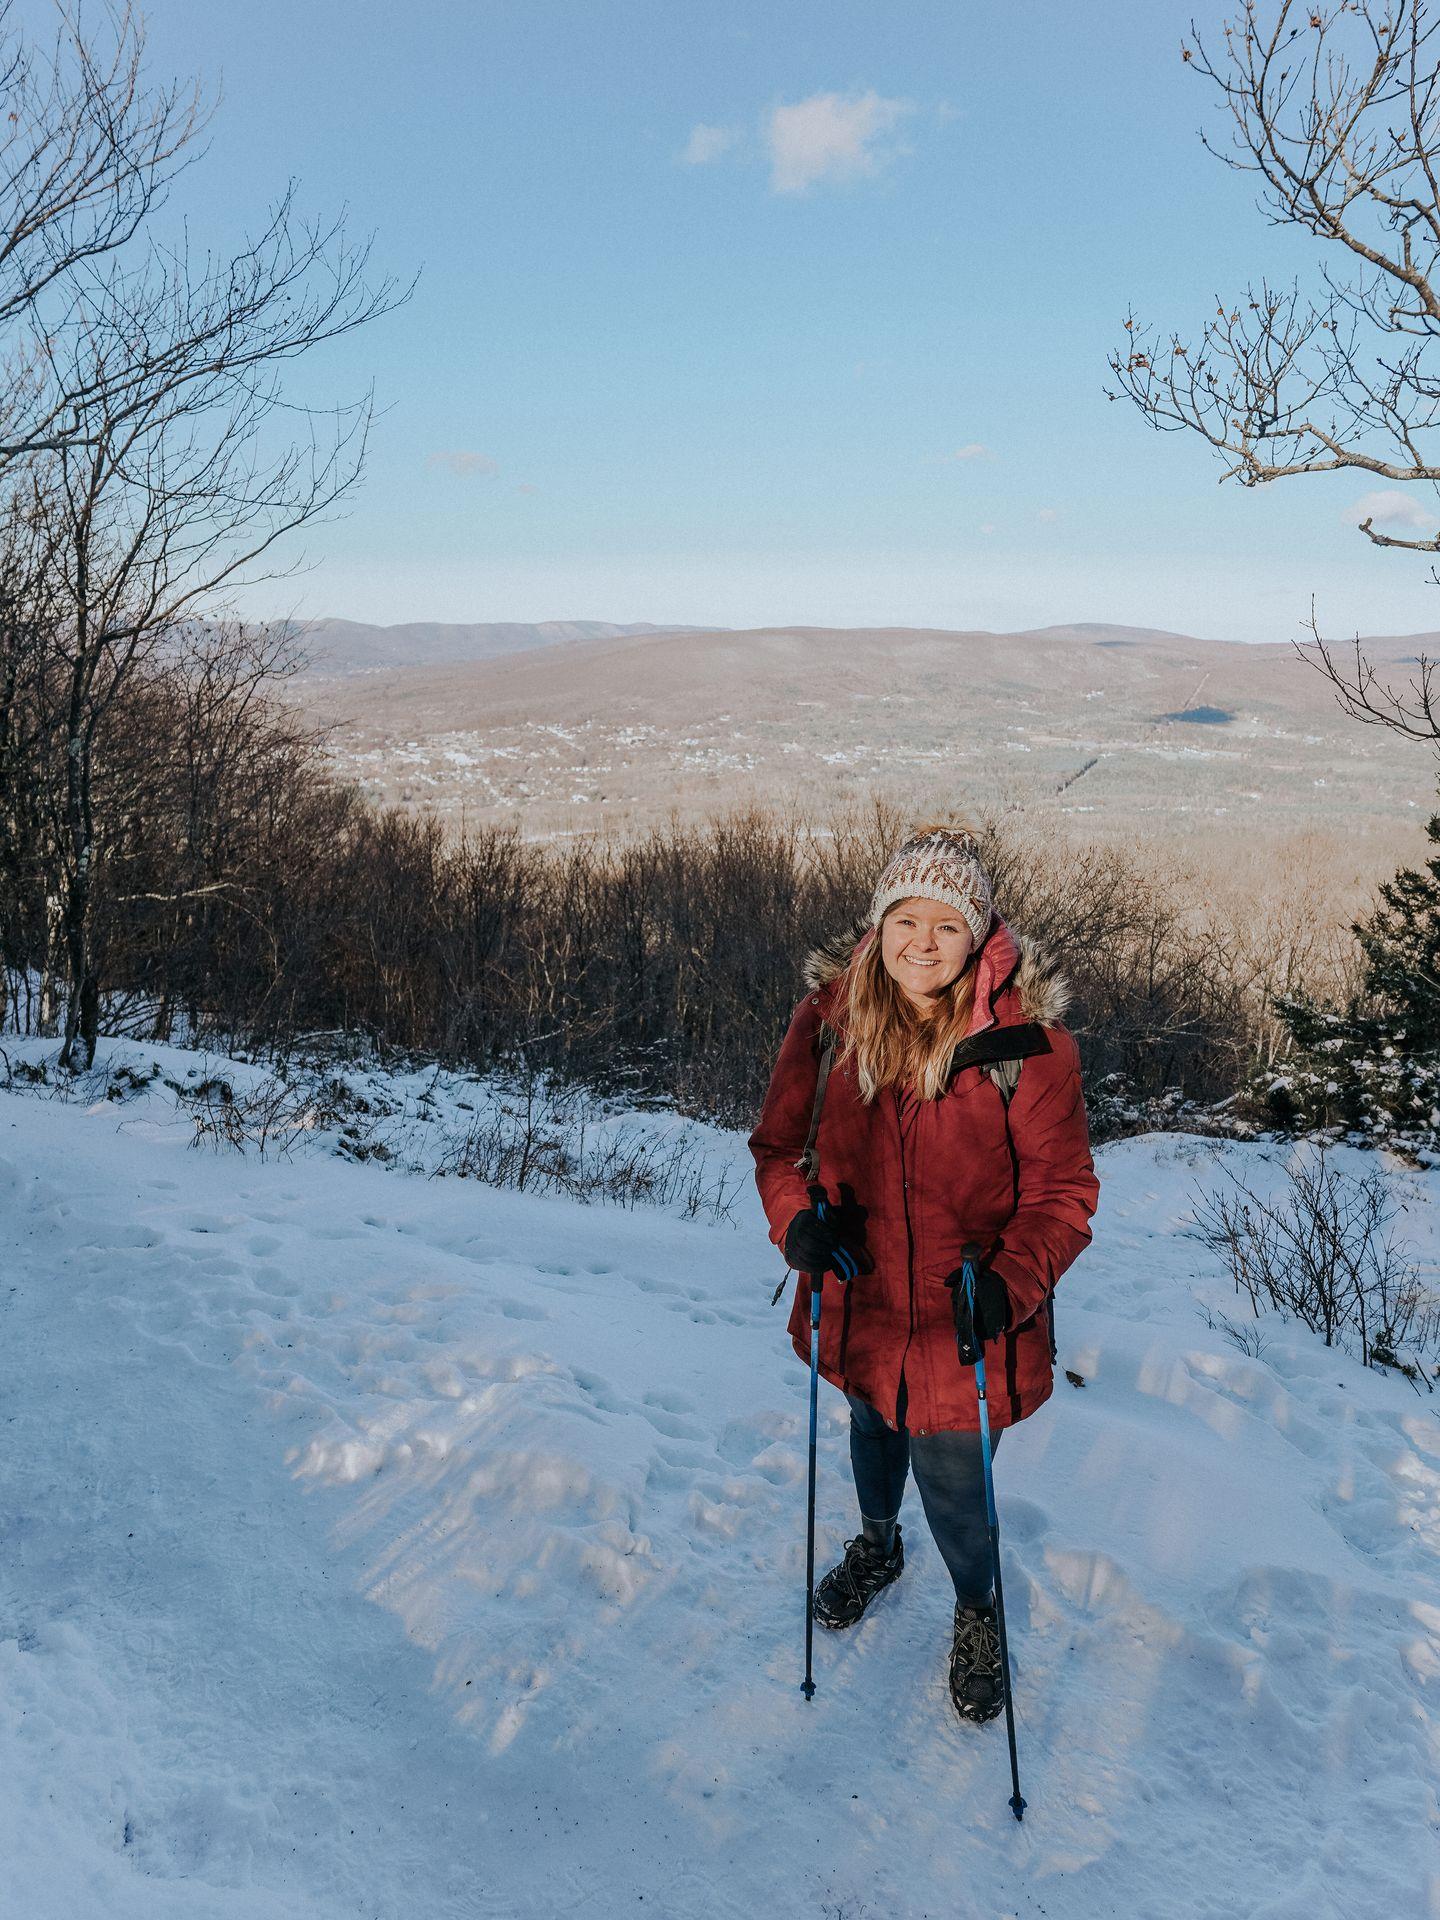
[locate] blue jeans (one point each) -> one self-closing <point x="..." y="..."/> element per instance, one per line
<point x="950" y="1474"/>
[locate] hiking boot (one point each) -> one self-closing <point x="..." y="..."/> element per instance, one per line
<point x="977" y="1685"/>
<point x="847" y="1590"/>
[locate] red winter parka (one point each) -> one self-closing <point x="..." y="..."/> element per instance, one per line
<point x="1021" y="1182"/>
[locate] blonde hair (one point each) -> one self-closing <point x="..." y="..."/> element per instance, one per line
<point x="890" y="1041"/>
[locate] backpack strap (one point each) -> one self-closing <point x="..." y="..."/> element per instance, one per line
<point x="808" y="1165"/>
<point x="809" y="1162"/>
<point x="1002" y="1051"/>
<point x="1001" y="1045"/>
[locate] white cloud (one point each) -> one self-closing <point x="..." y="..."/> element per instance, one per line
<point x="1390" y="508"/>
<point x="708" y="144"/>
<point x="829" y="136"/>
<point x="972" y="450"/>
<point x="463" y="465"/>
<point x="1047" y="516"/>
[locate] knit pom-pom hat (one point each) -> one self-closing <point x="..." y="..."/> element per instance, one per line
<point x="939" y="863"/>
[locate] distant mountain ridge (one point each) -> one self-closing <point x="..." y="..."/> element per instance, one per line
<point x="339" y="647"/>
<point x="353" y="646"/>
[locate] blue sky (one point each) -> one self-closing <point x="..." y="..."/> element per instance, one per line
<point x="713" y="299"/>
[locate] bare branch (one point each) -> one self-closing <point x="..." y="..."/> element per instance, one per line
<point x="1335" y="109"/>
<point x="1366" y="698"/>
<point x="88" y="150"/>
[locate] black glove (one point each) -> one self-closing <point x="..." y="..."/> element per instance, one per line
<point x="826" y="1238"/>
<point x="991" y="1315"/>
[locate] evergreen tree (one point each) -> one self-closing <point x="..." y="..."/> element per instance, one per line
<point x="1401" y="944"/>
<point x="1374" y="1068"/>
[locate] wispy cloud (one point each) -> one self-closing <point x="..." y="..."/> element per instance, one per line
<point x="527" y="486"/>
<point x="707" y="145"/>
<point x="830" y="137"/>
<point x="1390" y="508"/>
<point x="972" y="450"/>
<point x="1047" y="516"/>
<point x="464" y="465"/>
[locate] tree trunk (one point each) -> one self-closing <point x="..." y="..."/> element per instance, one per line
<point x="82" y="1000"/>
<point x="48" y="999"/>
<point x="77" y="962"/>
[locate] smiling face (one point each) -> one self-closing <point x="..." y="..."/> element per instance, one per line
<point x="924" y="945"/>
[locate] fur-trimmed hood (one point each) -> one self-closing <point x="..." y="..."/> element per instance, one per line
<point x="1006" y="960"/>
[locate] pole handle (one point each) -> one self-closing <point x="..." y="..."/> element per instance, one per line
<point x="820" y="1202"/>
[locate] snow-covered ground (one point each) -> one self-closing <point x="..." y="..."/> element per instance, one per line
<point x="400" y="1548"/>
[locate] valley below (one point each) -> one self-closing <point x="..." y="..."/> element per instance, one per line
<point x="1102" y="730"/>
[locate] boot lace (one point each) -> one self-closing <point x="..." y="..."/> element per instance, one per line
<point x="862" y="1567"/>
<point x="977" y="1641"/>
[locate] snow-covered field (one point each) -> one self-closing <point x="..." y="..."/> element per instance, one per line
<point x="387" y="1547"/>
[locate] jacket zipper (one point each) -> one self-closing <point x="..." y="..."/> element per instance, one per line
<point x="909" y="1236"/>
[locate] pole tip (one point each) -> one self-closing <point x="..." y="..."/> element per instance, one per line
<point x="807" y="1687"/>
<point x="1018" y="1806"/>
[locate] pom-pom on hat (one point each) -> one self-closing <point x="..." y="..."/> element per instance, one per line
<point x="939" y="863"/>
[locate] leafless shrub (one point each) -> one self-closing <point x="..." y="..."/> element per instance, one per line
<point x="266" y="903"/>
<point x="1159" y="1000"/>
<point x="270" y="1116"/>
<point x="1286" y="908"/>
<point x="544" y="1138"/>
<point x="116" y="1081"/>
<point x="1246" y="1335"/>
<point x="23" y="1073"/>
<point x="1321" y="1253"/>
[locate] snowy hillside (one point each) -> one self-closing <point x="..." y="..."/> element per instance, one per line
<point x="378" y="1546"/>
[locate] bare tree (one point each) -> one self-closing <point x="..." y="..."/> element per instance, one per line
<point x="176" y="490"/>
<point x="29" y="610"/>
<point x="1335" y="108"/>
<point x="149" y="426"/>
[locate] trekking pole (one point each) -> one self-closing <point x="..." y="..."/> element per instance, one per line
<point x="820" y="1201"/>
<point x="969" y="1255"/>
<point x="807" y="1685"/>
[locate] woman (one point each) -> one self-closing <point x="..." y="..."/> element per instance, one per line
<point x="952" y="1114"/>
